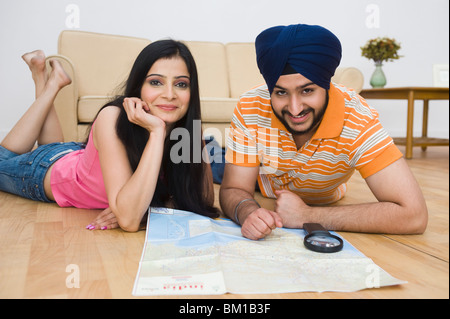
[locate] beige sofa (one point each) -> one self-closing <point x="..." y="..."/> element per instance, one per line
<point x="100" y="63"/>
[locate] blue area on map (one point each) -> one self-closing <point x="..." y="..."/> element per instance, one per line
<point x="174" y="227"/>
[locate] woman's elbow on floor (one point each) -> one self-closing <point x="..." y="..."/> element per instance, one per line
<point x="129" y="225"/>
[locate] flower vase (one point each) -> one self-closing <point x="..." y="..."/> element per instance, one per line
<point x="378" y="79"/>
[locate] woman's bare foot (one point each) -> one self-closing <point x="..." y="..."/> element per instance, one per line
<point x="58" y="76"/>
<point x="35" y="60"/>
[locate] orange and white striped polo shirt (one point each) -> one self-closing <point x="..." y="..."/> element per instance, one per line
<point x="349" y="137"/>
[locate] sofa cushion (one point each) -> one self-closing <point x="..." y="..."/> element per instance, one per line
<point x="88" y="107"/>
<point x="242" y="68"/>
<point x="217" y="109"/>
<point x="210" y="58"/>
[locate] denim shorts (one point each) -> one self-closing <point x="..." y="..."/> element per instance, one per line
<point x="24" y="174"/>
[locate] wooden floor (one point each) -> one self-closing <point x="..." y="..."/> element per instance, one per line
<point x="43" y="247"/>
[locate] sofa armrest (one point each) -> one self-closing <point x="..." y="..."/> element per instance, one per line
<point x="66" y="102"/>
<point x="349" y="77"/>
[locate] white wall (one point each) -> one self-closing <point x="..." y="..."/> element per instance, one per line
<point x="422" y="27"/>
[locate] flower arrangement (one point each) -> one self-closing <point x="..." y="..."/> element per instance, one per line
<point x="381" y="49"/>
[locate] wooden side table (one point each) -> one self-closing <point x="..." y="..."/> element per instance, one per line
<point x="411" y="94"/>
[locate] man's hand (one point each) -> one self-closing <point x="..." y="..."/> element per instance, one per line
<point x="260" y="223"/>
<point x="291" y="208"/>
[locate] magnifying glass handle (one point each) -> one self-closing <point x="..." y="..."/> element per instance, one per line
<point x="313" y="227"/>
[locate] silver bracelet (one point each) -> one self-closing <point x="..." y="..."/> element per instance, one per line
<point x="236" y="219"/>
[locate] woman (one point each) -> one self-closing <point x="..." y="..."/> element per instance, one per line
<point x="125" y="165"/>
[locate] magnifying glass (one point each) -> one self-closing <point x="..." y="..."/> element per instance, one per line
<point x="320" y="240"/>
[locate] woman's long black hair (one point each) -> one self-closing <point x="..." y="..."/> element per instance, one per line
<point x="183" y="183"/>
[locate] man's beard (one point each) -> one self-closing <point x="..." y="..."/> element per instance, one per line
<point x="317" y="118"/>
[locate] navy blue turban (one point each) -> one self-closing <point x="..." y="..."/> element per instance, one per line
<point x="310" y="50"/>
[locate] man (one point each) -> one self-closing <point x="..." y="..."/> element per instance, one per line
<point x="301" y="138"/>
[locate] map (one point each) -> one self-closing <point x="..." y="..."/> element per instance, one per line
<point x="186" y="253"/>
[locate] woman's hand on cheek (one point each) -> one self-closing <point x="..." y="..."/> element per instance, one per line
<point x="138" y="113"/>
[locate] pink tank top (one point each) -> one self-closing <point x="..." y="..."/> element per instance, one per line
<point x="77" y="181"/>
